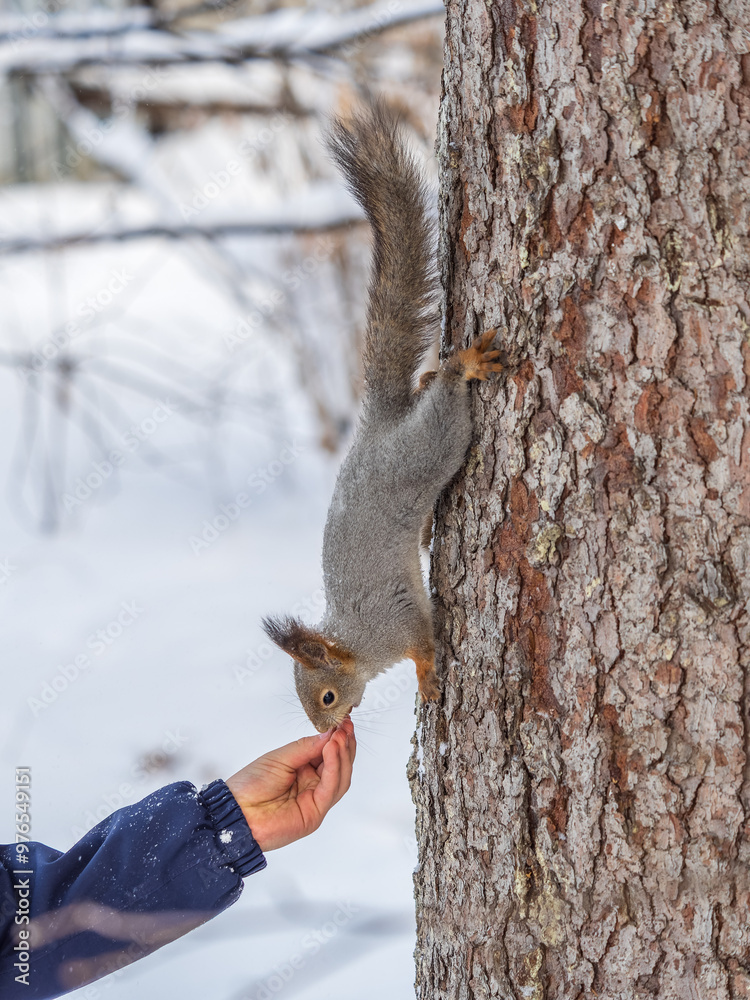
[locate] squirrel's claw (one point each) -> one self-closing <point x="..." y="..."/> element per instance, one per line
<point x="429" y="688"/>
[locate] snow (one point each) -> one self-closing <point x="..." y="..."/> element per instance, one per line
<point x="170" y="678"/>
<point x="420" y="753"/>
<point x="188" y="689"/>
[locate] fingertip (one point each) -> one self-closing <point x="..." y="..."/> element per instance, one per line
<point x="331" y="746"/>
<point x="318" y="744"/>
<point x="330" y="774"/>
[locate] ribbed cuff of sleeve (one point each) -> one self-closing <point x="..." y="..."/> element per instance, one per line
<point x="232" y="832"/>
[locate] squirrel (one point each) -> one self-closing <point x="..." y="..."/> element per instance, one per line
<point x="409" y="443"/>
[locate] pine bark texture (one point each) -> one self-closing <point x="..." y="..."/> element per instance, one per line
<point x="583" y="788"/>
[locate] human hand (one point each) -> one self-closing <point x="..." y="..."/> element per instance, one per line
<point x="285" y="794"/>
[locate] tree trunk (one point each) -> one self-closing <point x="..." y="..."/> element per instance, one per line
<point x="583" y="788"/>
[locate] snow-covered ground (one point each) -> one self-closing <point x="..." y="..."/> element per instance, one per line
<point x="182" y="684"/>
<point x="191" y="685"/>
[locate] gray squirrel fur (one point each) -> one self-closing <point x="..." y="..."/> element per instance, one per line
<point x="408" y="445"/>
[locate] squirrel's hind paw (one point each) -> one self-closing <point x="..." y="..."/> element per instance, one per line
<point x="477" y="361"/>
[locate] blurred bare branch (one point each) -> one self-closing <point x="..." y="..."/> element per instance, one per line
<point x="177" y="231"/>
<point x="140" y="37"/>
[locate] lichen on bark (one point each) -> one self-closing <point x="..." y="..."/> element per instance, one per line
<point x="583" y="791"/>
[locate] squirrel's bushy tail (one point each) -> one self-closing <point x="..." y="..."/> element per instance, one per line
<point x="386" y="181"/>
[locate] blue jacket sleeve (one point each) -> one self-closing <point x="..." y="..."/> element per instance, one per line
<point x="144" y="876"/>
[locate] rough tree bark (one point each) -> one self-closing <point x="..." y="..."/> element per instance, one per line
<point x="583" y="788"/>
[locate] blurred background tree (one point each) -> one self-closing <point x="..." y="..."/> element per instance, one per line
<point x="171" y="228"/>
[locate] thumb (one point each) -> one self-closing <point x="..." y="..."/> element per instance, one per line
<point x="302" y="751"/>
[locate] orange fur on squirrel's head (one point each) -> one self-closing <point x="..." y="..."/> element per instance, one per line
<point x="324" y="672"/>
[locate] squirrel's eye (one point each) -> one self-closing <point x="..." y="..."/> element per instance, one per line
<point x="328" y="698"/>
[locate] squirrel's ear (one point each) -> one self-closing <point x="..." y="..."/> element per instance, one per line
<point x="281" y="631"/>
<point x="308" y="647"/>
<point x="318" y="652"/>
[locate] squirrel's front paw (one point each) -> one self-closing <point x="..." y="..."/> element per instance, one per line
<point x="424" y="660"/>
<point x="477" y="361"/>
<point x="429" y="688"/>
